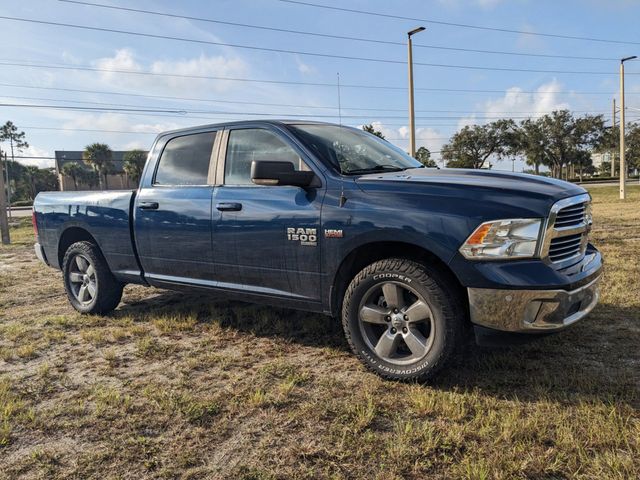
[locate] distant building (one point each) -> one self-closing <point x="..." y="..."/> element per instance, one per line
<point x="118" y="180"/>
<point x="599" y="158"/>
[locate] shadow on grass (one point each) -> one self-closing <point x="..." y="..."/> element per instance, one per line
<point x="305" y="328"/>
<point x="597" y="359"/>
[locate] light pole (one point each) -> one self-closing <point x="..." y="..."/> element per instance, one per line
<point x="412" y="117"/>
<point x="623" y="165"/>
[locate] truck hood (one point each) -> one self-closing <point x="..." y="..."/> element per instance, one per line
<point x="463" y="181"/>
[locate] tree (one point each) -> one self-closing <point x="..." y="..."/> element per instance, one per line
<point x="31" y="173"/>
<point x="423" y="155"/>
<point x="530" y="143"/>
<point x="16" y="140"/>
<point x="91" y="178"/>
<point x="134" y="161"/>
<point x="566" y="136"/>
<point x="99" y="156"/>
<point x="473" y="145"/>
<point x="73" y="170"/>
<point x="371" y="129"/>
<point x="632" y="144"/>
<point x="610" y="143"/>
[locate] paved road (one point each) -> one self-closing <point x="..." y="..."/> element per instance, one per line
<point x="632" y="183"/>
<point x="20" y="212"/>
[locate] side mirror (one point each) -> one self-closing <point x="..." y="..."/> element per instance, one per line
<point x="281" y="173"/>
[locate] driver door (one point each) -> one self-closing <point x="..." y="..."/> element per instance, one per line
<point x="265" y="238"/>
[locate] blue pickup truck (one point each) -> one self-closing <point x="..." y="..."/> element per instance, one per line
<point x="327" y="218"/>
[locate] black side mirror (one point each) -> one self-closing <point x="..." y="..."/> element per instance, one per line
<point x="281" y="173"/>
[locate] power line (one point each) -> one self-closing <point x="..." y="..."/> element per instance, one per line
<point x="304" y="53"/>
<point x="252" y="114"/>
<point x="461" y="25"/>
<point x="440" y="90"/>
<point x="92" y="130"/>
<point x="101" y="109"/>
<point x="465" y="112"/>
<point x="328" y="35"/>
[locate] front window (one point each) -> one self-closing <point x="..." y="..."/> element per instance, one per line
<point x="353" y="152"/>
<point x="247" y="145"/>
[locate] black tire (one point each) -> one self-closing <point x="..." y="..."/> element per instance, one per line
<point x="442" y="332"/>
<point x="94" y="290"/>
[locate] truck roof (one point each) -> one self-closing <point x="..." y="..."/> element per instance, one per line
<point x="249" y="122"/>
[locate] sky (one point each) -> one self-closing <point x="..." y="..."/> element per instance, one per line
<point x="232" y="72"/>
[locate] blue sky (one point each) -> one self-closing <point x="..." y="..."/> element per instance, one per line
<point x="440" y="113"/>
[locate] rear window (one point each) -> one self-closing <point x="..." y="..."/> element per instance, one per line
<point x="185" y="160"/>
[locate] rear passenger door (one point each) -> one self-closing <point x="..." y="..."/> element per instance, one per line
<point x="254" y="249"/>
<point x="173" y="211"/>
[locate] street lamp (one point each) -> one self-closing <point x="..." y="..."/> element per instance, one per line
<point x="623" y="165"/>
<point x="412" y="117"/>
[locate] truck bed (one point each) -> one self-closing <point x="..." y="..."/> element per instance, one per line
<point x="106" y="215"/>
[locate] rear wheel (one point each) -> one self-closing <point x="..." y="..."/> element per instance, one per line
<point x="90" y="285"/>
<point x="401" y="319"/>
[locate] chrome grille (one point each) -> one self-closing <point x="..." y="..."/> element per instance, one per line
<point x="570" y="216"/>
<point x="565" y="237"/>
<point x="562" y="248"/>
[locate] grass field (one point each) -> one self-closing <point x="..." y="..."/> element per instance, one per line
<point x="175" y="386"/>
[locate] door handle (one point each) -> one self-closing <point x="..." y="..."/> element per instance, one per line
<point x="229" y="207"/>
<point x="148" y="205"/>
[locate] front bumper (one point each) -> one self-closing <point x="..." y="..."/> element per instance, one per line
<point x="532" y="311"/>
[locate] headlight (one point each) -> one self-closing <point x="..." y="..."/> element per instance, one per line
<point x="513" y="238"/>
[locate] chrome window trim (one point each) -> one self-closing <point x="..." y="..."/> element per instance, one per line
<point x="550" y="232"/>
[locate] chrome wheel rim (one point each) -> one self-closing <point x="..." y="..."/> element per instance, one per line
<point x="82" y="279"/>
<point x="396" y="323"/>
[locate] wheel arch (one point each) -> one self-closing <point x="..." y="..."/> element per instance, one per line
<point x="70" y="236"/>
<point x="367" y="253"/>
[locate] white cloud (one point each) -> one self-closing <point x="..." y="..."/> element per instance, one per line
<point x="35" y="152"/>
<point x="431" y="138"/>
<point x="488" y="3"/>
<point x="518" y="103"/>
<point x="202" y="66"/>
<point x="122" y="60"/>
<point x="304" y="68"/>
<point x="218" y="66"/>
<point x="117" y="122"/>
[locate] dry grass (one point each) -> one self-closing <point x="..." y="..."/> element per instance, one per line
<point x="175" y="386"/>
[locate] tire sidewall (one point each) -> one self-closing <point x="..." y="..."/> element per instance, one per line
<point x="376" y="275"/>
<point x="85" y="250"/>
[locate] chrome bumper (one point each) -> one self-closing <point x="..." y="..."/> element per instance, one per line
<point x="40" y="253"/>
<point x="531" y="310"/>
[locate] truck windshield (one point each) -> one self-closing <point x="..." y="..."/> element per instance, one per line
<point x="353" y="152"/>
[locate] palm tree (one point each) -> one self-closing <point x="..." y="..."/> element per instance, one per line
<point x="73" y="170"/>
<point x="134" y="163"/>
<point x="99" y="156"/>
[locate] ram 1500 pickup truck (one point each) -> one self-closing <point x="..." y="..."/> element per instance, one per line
<point x="327" y="218"/>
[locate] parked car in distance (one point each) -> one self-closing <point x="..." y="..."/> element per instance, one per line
<point x="327" y="218"/>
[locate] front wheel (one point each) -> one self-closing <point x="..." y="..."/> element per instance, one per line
<point x="401" y="318"/>
<point x="90" y="285"/>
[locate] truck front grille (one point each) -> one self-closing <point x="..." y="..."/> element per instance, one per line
<point x="571" y="216"/>
<point x="563" y="248"/>
<point x="565" y="238"/>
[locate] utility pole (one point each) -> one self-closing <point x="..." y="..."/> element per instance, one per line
<point x="613" y="153"/>
<point x="4" y="222"/>
<point x="6" y="165"/>
<point x="412" y="117"/>
<point x="623" y="165"/>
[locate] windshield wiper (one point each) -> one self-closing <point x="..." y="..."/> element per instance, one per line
<point x="377" y="168"/>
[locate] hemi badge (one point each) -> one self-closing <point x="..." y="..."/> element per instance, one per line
<point x="332" y="233"/>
